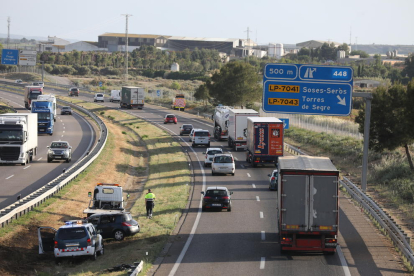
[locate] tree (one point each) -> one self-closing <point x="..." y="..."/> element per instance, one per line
<point x="409" y="67"/>
<point x="237" y="83"/>
<point x="362" y="54"/>
<point x="175" y="85"/>
<point x="391" y="119"/>
<point x="202" y="93"/>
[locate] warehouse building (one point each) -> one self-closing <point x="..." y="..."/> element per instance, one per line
<point x="223" y="45"/>
<point x="116" y="41"/>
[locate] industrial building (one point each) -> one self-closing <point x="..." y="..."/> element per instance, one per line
<point x="223" y="45"/>
<point x="116" y="41"/>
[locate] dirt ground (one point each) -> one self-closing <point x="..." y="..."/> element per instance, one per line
<point x="19" y="245"/>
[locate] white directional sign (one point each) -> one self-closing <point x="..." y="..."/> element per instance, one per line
<point x="27" y="57"/>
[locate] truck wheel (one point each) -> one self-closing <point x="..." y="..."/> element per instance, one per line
<point x="51" y="134"/>
<point x="254" y="165"/>
<point x="208" y="145"/>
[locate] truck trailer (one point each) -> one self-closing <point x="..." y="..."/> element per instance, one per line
<point x="31" y="93"/>
<point x="221" y="122"/>
<point x="132" y="97"/>
<point x="264" y="140"/>
<point x="18" y="138"/>
<point x="238" y="127"/>
<point x="308" y="208"/>
<point x="45" y="116"/>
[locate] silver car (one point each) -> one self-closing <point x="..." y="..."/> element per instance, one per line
<point x="59" y="150"/>
<point x="273" y="180"/>
<point x="223" y="164"/>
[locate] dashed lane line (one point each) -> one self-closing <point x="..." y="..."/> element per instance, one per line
<point x="10" y="176"/>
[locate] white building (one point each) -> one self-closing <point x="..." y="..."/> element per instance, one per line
<point x="175" y="67"/>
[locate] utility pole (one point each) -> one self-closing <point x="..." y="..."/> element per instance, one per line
<point x="248" y="41"/>
<point x="126" y="46"/>
<point x="350" y="36"/>
<point x="8" y="31"/>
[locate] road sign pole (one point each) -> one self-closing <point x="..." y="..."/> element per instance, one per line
<point x="43" y="69"/>
<point x="367" y="122"/>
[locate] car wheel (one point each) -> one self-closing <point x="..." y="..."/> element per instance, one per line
<point x="205" y="164"/>
<point x="101" y="252"/>
<point x="49" y="160"/>
<point x="212" y="173"/>
<point x="232" y="174"/>
<point x="193" y="145"/>
<point x="57" y="261"/>
<point x="68" y="160"/>
<point x="229" y="209"/>
<point x="119" y="235"/>
<point x="203" y="209"/>
<point x="94" y="256"/>
<point x="208" y="145"/>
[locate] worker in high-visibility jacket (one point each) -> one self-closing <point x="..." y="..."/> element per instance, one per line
<point x="149" y="202"/>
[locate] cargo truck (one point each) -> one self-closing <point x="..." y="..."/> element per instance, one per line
<point x="308" y="209"/>
<point x="106" y="198"/>
<point x="115" y="96"/>
<point x="221" y="122"/>
<point x="18" y="138"/>
<point x="179" y="102"/>
<point x="45" y="116"/>
<point x="132" y="97"/>
<point x="31" y="93"/>
<point x="264" y="140"/>
<point x="237" y="125"/>
<point x="49" y="98"/>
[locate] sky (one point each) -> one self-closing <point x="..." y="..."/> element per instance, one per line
<point x="288" y="21"/>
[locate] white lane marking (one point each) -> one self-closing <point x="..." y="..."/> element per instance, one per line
<point x="257" y="198"/>
<point x="61" y="121"/>
<point x="263" y="236"/>
<point x="193" y="230"/>
<point x="10" y="176"/>
<point x="63" y="131"/>
<point x="62" y="135"/>
<point x="254" y="186"/>
<point x="26" y="167"/>
<point x="64" y="127"/>
<point x="343" y="261"/>
<point x="261" y="214"/>
<point x="39" y="158"/>
<point x="262" y="263"/>
<point x="248" y="174"/>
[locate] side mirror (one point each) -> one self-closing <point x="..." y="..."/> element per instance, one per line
<point x="202" y="193"/>
<point x="99" y="231"/>
<point x="70" y="147"/>
<point x="47" y="146"/>
<point x="231" y="193"/>
<point x="204" y="152"/>
<point x="269" y="175"/>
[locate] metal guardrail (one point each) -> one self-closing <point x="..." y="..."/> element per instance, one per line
<point x="28" y="203"/>
<point x="397" y="235"/>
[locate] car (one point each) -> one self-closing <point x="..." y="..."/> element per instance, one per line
<point x="99" y="97"/>
<point x="38" y="83"/>
<point x="74" y="91"/>
<point x="186" y="129"/>
<point x="18" y="81"/>
<point x="66" y="110"/>
<point x="201" y="137"/>
<point x="60" y="150"/>
<point x="115" y="225"/>
<point x="273" y="177"/>
<point x="75" y="238"/>
<point x="210" y="152"/>
<point x="170" y="118"/>
<point x="216" y="198"/>
<point x="223" y="164"/>
<point x="190" y="136"/>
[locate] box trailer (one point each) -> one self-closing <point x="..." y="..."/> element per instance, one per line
<point x="308" y="209"/>
<point x="132" y="97"/>
<point x="264" y="140"/>
<point x="237" y="127"/>
<point x="31" y="93"/>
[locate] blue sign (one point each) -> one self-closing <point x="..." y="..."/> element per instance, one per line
<point x="9" y="57"/>
<point x="285" y="123"/>
<point x="307" y="89"/>
<point x="100" y="83"/>
<point x="158" y="93"/>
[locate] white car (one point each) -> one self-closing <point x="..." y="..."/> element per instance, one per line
<point x="210" y="152"/>
<point x="192" y="133"/>
<point x="38" y="83"/>
<point x="223" y="164"/>
<point x="273" y="180"/>
<point x="201" y="137"/>
<point x="99" y="97"/>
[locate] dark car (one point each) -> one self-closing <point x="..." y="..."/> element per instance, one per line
<point x="186" y="129"/>
<point x="170" y="118"/>
<point x="66" y="110"/>
<point x="217" y="198"/>
<point x="115" y="225"/>
<point x="74" y="91"/>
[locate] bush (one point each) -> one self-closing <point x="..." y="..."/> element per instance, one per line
<point x="83" y="70"/>
<point x="176" y="86"/>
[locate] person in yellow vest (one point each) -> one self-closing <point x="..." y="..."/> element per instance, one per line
<point x="149" y="202"/>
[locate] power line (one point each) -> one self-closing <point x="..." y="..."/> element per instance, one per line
<point x="126" y="45"/>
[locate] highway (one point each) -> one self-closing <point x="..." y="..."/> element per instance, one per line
<point x="22" y="180"/>
<point x="245" y="241"/>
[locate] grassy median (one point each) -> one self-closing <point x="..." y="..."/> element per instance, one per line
<point x="135" y="151"/>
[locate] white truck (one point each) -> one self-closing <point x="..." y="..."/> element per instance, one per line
<point x="132" y="97"/>
<point x="49" y="98"/>
<point x="115" y="96"/>
<point x="107" y="198"/>
<point x="18" y="138"/>
<point x="221" y="121"/>
<point x="238" y="127"/>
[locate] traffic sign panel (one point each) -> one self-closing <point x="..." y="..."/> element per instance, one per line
<point x="9" y="57"/>
<point x="27" y="57"/>
<point x="285" y="123"/>
<point x="315" y="89"/>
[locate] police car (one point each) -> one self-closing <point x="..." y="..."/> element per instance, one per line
<point x="75" y="238"/>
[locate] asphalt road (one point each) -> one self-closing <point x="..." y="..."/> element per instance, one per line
<point x="245" y="241"/>
<point x="22" y="180"/>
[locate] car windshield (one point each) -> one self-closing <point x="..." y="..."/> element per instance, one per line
<point x="216" y="193"/>
<point x="99" y="95"/>
<point x="187" y="126"/>
<point x="170" y="116"/>
<point x="71" y="233"/>
<point x="223" y="159"/>
<point x="201" y="133"/>
<point x="59" y="145"/>
<point x="213" y="152"/>
<point x="66" y="108"/>
<point x="74" y="89"/>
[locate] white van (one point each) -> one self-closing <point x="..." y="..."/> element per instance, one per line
<point x="99" y="97"/>
<point x="38" y="83"/>
<point x="201" y="137"/>
<point x="115" y="96"/>
<point x="223" y="164"/>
